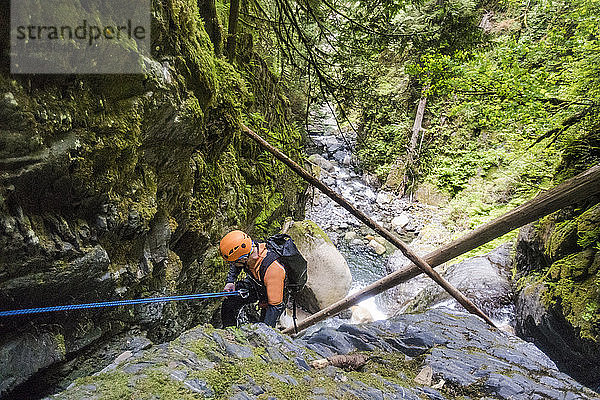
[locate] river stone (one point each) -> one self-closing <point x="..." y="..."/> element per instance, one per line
<point x="356" y="242"/>
<point x="377" y="247"/>
<point x="329" y="277"/>
<point x="350" y="236"/>
<point x="334" y="147"/>
<point x="321" y="162"/>
<point x="340" y="155"/>
<point x="400" y="221"/>
<point x="329" y="181"/>
<point x="360" y="315"/>
<point x="384" y="198"/>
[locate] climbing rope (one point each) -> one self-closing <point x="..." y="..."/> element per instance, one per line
<point x="121" y="303"/>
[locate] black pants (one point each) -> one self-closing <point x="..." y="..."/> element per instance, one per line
<point x="232" y="304"/>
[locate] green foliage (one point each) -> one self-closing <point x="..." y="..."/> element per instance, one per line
<point x="453" y="172"/>
<point x="381" y="147"/>
<point x="491" y="98"/>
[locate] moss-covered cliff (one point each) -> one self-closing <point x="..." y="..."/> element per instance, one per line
<point x="557" y="263"/>
<point x="120" y="186"/>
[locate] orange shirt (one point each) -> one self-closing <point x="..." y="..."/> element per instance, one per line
<point x="274" y="276"/>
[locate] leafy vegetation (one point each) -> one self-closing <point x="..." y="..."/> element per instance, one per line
<point x="512" y="106"/>
<point x="512" y="92"/>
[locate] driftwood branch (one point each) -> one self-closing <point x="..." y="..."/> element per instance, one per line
<point x="349" y="362"/>
<point x="408" y="253"/>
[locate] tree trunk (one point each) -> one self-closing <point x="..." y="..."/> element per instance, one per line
<point x="234" y="13"/>
<point x="405" y="165"/>
<point x="208" y="13"/>
<point x="412" y="156"/>
<point x="417" y="125"/>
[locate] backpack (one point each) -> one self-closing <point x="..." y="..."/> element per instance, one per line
<point x="282" y="248"/>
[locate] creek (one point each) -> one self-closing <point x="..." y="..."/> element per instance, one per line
<point x="332" y="152"/>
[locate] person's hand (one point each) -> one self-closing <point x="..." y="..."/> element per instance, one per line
<point x="229" y="287"/>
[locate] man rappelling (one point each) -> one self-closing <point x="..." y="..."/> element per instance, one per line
<point x="265" y="278"/>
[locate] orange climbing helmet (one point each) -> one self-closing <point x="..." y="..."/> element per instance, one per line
<point x="234" y="245"/>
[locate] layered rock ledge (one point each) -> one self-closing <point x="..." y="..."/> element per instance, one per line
<point x="469" y="360"/>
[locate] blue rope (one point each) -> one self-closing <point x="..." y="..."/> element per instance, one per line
<point x="117" y="303"/>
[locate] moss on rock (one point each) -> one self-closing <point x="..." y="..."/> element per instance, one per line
<point x="562" y="239"/>
<point x="569" y="239"/>
<point x="302" y="231"/>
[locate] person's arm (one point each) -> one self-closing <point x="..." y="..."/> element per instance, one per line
<point x="231" y="277"/>
<point x="274" y="281"/>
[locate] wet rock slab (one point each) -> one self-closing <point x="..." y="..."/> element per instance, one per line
<point x="474" y="361"/>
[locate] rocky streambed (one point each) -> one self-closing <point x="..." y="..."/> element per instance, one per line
<point x="433" y="355"/>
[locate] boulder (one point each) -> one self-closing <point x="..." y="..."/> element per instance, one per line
<point x="329" y="277"/>
<point x="485" y="280"/>
<point x="321" y="162"/>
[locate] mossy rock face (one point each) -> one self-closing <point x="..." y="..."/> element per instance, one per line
<point x="256" y="361"/>
<point x="588" y="228"/>
<point x="121" y="186"/>
<point x="562" y="240"/>
<point x="575" y="266"/>
<point x="564" y="247"/>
